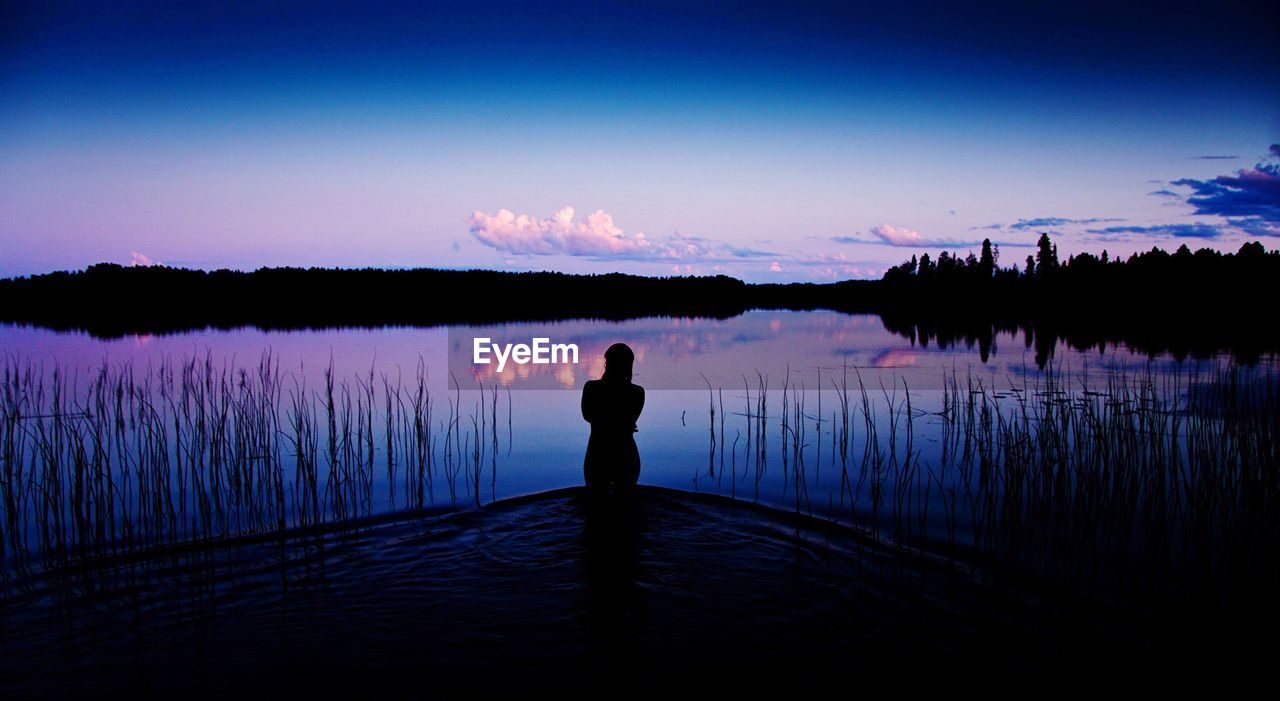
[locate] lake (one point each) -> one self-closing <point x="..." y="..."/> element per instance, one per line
<point x="690" y="367"/>
<point x="1060" y="468"/>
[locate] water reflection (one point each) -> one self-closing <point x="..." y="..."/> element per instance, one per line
<point x="688" y="353"/>
<point x="113" y="446"/>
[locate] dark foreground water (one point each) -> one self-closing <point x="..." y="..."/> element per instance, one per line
<point x="547" y="592"/>
<point x="206" y="514"/>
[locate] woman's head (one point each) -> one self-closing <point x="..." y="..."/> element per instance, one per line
<point x="618" y="360"/>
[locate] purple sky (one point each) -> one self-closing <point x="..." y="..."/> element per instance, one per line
<point x="803" y="141"/>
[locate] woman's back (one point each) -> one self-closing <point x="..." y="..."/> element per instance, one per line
<point x="612" y="406"/>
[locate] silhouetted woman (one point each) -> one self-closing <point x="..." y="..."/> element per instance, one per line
<point x="612" y="405"/>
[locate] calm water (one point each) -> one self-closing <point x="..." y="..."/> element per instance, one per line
<point x="682" y="591"/>
<point x="690" y="367"/>
<point x="312" y="582"/>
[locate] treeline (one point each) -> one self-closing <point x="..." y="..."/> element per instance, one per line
<point x="111" y="300"/>
<point x="1179" y="279"/>
<point x="1183" y="302"/>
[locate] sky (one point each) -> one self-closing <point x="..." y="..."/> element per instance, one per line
<point x="796" y="141"/>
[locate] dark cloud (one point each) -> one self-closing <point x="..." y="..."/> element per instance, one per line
<point x="1197" y="230"/>
<point x="1039" y="223"/>
<point x="1215" y="158"/>
<point x="893" y="237"/>
<point x="745" y="252"/>
<point x="1014" y="244"/>
<point x="1275" y="150"/>
<point x="1256" y="226"/>
<point x="1249" y="193"/>
<point x="1163" y="193"/>
<point x="1047" y="222"/>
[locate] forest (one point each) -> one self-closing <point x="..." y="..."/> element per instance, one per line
<point x="1182" y="302"/>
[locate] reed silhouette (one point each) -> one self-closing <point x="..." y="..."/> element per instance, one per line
<point x="612" y="405"/>
<point x="1153" y="492"/>
<point x="138" y="459"/>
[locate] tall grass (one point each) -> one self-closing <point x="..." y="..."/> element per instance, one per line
<point x="1151" y="487"/>
<point x="193" y="450"/>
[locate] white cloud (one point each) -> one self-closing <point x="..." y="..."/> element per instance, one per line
<point x="596" y="236"/>
<point x="140" y="260"/>
<point x="895" y="236"/>
<point x="902" y="236"/>
<point x="834" y="265"/>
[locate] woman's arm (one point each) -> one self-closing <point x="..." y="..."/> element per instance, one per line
<point x="639" y="404"/>
<point x="588" y="402"/>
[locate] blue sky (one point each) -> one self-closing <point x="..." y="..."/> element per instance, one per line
<point x="770" y="141"/>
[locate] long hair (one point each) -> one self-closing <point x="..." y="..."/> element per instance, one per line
<point x="618" y="360"/>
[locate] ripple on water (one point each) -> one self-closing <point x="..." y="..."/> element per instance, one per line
<point x="539" y="591"/>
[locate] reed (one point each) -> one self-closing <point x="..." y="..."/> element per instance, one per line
<point x="192" y="449"/>
<point x="1146" y="486"/>
<point x="1153" y="486"/>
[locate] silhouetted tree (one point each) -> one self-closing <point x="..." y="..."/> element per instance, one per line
<point x="927" y="267"/>
<point x="1046" y="256"/>
<point x="1182" y="302"/>
<point x="987" y="264"/>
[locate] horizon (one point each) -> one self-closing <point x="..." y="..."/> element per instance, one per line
<point x="1016" y="266"/>
<point x="800" y="143"/>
